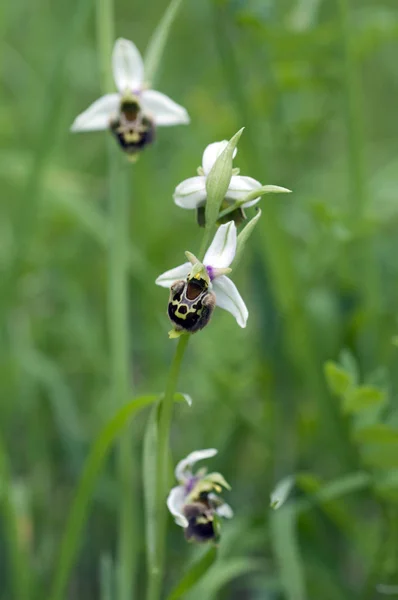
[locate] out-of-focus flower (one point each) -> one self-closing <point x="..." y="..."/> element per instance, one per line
<point x="192" y="193"/>
<point x="195" y="503"/>
<point x="196" y="288"/>
<point x="134" y="111"/>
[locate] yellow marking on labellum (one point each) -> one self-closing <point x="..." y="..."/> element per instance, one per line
<point x="197" y="276"/>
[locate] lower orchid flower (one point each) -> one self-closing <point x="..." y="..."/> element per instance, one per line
<point x="196" y="288"/>
<point x="195" y="503"/>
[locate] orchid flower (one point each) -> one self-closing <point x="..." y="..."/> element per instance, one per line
<point x="192" y="194"/>
<point x="119" y="110"/>
<point x="212" y="272"/>
<point x="194" y="503"/>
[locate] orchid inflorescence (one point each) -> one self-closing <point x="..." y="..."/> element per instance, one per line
<point x="199" y="285"/>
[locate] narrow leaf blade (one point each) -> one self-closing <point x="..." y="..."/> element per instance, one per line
<point x="195" y="573"/>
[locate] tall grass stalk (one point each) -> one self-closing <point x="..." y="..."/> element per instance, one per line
<point x="118" y="273"/>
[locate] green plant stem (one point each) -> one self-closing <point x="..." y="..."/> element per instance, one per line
<point x="367" y="275"/>
<point x="162" y="467"/>
<point x="118" y="267"/>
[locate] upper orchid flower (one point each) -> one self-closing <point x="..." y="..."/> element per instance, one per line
<point x="133" y="112"/>
<point x="196" y="288"/>
<point x="194" y="503"/>
<point x="192" y="194"/>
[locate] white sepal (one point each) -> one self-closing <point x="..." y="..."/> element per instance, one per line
<point x="211" y="153"/>
<point x="228" y="298"/>
<point x="127" y="66"/>
<point x="191" y="193"/>
<point x="175" y="504"/>
<point x="162" y="109"/>
<point x="221" y="251"/>
<point x="183" y="470"/>
<point x="240" y="186"/>
<point x="169" y="277"/>
<point x="97" y="116"/>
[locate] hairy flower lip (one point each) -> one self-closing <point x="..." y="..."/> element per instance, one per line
<point x="128" y="73"/>
<point x="217" y="260"/>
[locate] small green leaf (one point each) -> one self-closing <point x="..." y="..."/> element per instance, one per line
<point x="280" y="493"/>
<point x="349" y="364"/>
<point x="243" y="237"/>
<point x="265" y="189"/>
<point x="158" y="41"/>
<point x="379" y="433"/>
<point x="180" y="397"/>
<point x="217" y="181"/>
<point x="362" y="397"/>
<point x="194" y="574"/>
<point x="338" y="379"/>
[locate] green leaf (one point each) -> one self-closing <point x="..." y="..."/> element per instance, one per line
<point x="338" y="379"/>
<point x="194" y="574"/>
<point x="330" y="491"/>
<point x="78" y="512"/>
<point x="217" y="181"/>
<point x="349" y="364"/>
<point x="379" y="433"/>
<point x="158" y="41"/>
<point x="362" y="397"/>
<point x="265" y="189"/>
<point x="243" y="237"/>
<point x="281" y="491"/>
<point x="180" y="397"/>
<point x="287" y="552"/>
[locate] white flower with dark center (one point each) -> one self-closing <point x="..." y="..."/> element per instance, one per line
<point x="192" y="194"/>
<point x="194" y="503"/>
<point x="132" y="99"/>
<point x="211" y="274"/>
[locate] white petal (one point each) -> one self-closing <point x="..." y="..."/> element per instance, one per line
<point x="169" y="277"/>
<point x="221" y="251"/>
<point x="175" y="503"/>
<point x="127" y="66"/>
<point x="184" y="468"/>
<point x="191" y="193"/>
<point x="163" y="109"/>
<point x="228" y="298"/>
<point x="211" y="153"/>
<point x="225" y="511"/>
<point x="98" y="115"/>
<point x="240" y="187"/>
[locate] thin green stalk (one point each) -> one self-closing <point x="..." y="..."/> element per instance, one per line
<point x="368" y="281"/>
<point x="165" y="415"/>
<point x="118" y="317"/>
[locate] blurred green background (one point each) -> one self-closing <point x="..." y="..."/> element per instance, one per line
<point x="317" y="96"/>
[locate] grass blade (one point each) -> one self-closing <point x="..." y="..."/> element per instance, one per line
<point x="77" y="515"/>
<point x="194" y="574"/>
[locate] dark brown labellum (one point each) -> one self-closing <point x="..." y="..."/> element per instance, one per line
<point x="190" y="305"/>
<point x="201" y="524"/>
<point x="132" y="129"/>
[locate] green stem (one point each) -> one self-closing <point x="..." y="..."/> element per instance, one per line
<point x="162" y="462"/>
<point x="368" y="281"/>
<point x="118" y="268"/>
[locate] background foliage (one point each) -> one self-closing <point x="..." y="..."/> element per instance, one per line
<point x="318" y="101"/>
